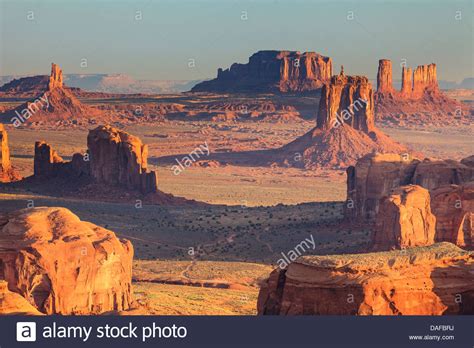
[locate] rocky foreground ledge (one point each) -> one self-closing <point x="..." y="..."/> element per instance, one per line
<point x="431" y="280"/>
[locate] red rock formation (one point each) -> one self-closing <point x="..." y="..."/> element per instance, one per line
<point x="453" y="206"/>
<point x="7" y="172"/>
<point x="269" y="71"/>
<point x="404" y="219"/>
<point x="118" y="158"/>
<point x="56" y="77"/>
<point x="12" y="303"/>
<point x="407" y="82"/>
<point x="419" y="101"/>
<point x="433" y="280"/>
<point x="345" y="128"/>
<point x="424" y="80"/>
<point x="384" y="76"/>
<point x="62" y="265"/>
<point x="47" y="161"/>
<point x="347" y="99"/>
<point x="374" y="176"/>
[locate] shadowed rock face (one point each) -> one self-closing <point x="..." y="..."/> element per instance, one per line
<point x="417" y="281"/>
<point x="62" y="265"/>
<point x="404" y="220"/>
<point x="269" y="71"/>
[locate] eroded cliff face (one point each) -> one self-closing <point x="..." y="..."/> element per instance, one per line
<point x="62" y="265"/>
<point x="270" y="71"/>
<point x="432" y="280"/>
<point x="113" y="158"/>
<point x="384" y="76"/>
<point x="405" y="219"/>
<point x="347" y="100"/>
<point x="118" y="158"/>
<point x="7" y="172"/>
<point x="453" y="206"/>
<point x="404" y="215"/>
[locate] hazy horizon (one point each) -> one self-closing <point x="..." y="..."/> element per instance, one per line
<point x="156" y="40"/>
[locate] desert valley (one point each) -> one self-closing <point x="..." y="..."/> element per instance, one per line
<point x="284" y="186"/>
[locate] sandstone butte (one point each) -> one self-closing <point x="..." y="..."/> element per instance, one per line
<point x="52" y="102"/>
<point x="62" y="265"/>
<point x="430" y="280"/>
<point x="345" y="129"/>
<point x="114" y="158"/>
<point x="272" y="71"/>
<point x="7" y="172"/>
<point x="413" y="202"/>
<point x="419" y="96"/>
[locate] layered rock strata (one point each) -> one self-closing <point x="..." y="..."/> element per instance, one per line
<point x="430" y="280"/>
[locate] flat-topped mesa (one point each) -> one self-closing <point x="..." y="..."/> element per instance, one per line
<point x="56" y="77"/>
<point x="347" y="100"/>
<point x="427" y="280"/>
<point x="384" y="76"/>
<point x="268" y="71"/>
<point x="118" y="158"/>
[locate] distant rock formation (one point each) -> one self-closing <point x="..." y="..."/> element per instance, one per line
<point x="271" y="71"/>
<point x="419" y="101"/>
<point x="384" y="76"/>
<point x="56" y="77"/>
<point x="114" y="158"/>
<point x="431" y="280"/>
<point x="404" y="220"/>
<point x="118" y="158"/>
<point x="53" y="104"/>
<point x="345" y="129"/>
<point x="7" y="172"/>
<point x="12" y="303"/>
<point x="62" y="265"/>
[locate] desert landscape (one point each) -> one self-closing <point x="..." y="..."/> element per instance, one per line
<point x="283" y="186"/>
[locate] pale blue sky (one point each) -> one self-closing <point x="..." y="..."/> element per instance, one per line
<point x="212" y="32"/>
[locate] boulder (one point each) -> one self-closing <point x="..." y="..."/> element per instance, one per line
<point x="404" y="219"/>
<point x="62" y="265"/>
<point x="429" y="280"/>
<point x="272" y="71"/>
